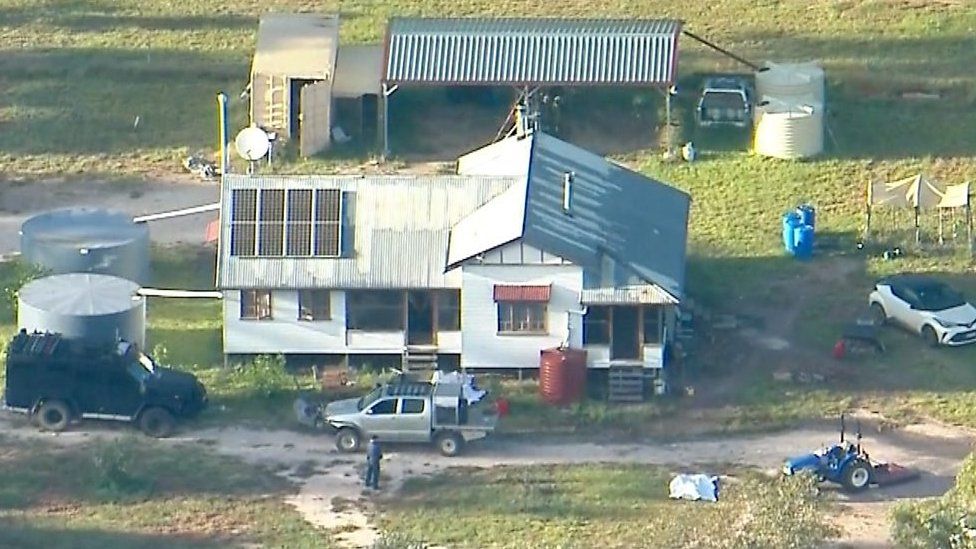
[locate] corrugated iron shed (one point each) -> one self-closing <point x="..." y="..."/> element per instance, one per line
<point x="477" y="51"/>
<point x="399" y="226"/>
<point x="297" y="46"/>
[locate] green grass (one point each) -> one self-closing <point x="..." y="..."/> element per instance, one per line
<point x="98" y="65"/>
<point x="600" y="506"/>
<point x="130" y="493"/>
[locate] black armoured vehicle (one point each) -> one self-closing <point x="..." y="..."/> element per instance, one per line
<point x="58" y="380"/>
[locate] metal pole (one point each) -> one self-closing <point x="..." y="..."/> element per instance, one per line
<point x="667" y="112"/>
<point x="386" y="126"/>
<point x="222" y="132"/>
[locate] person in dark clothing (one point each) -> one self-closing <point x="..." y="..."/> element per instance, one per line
<point x="373" y="456"/>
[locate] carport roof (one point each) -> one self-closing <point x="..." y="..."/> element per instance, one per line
<point x="478" y="51"/>
<point x="297" y="46"/>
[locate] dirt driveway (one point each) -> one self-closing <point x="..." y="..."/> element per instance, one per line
<point x="331" y="495"/>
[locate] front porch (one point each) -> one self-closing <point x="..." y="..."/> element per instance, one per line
<point x="629" y="341"/>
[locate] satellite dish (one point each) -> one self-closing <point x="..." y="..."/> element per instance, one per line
<point x="252" y="143"/>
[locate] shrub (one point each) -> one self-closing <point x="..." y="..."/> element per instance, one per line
<point x="948" y="522"/>
<point x="114" y="466"/>
<point x="265" y="375"/>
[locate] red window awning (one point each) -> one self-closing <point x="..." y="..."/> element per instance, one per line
<point x="535" y="294"/>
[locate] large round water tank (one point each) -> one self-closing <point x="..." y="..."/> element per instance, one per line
<point x="562" y="375"/>
<point x="87" y="240"/>
<point x="798" y="82"/>
<point x="94" y="307"/>
<point x="789" y="130"/>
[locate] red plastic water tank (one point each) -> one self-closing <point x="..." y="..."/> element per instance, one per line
<point x="562" y="375"/>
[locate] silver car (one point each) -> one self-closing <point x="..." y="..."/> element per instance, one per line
<point x="924" y="306"/>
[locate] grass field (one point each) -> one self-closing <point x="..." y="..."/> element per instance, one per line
<point x="137" y="493"/>
<point x="601" y="506"/>
<point x="97" y="65"/>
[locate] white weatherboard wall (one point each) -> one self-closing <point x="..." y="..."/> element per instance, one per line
<point x="598" y="356"/>
<point x="284" y="333"/>
<point x="482" y="347"/>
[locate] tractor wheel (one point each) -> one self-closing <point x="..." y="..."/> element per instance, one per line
<point x="856" y="475"/>
<point x="878" y="314"/>
<point x="53" y="415"/>
<point x="929" y="336"/>
<point x="348" y="440"/>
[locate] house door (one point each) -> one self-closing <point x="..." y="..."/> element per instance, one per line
<point x="314" y="119"/>
<point x="625" y="334"/>
<point x="420" y="318"/>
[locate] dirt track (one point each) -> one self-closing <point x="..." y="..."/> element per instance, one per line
<point x="20" y="201"/>
<point x="324" y="497"/>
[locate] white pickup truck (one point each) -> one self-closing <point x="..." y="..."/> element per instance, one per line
<point x="407" y="411"/>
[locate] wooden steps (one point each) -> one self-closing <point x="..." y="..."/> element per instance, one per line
<point x="626" y="384"/>
<point x="419" y="358"/>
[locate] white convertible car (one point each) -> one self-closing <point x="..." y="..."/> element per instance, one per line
<point x="925" y="306"/>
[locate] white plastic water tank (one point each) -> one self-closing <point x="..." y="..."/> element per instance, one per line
<point x="792" y="81"/>
<point x="789" y="130"/>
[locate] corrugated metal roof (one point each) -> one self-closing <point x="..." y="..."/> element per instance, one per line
<point x="531" y="51"/>
<point x="647" y="294"/>
<point x="504" y="292"/>
<point x="297" y="46"/>
<point x="623" y="228"/>
<point x="399" y="227"/>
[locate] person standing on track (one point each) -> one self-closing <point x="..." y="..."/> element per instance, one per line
<point x="373" y="456"/>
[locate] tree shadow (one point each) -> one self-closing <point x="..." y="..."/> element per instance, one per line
<point x="23" y="533"/>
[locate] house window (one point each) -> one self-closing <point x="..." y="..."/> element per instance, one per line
<point x="375" y="310"/>
<point x="522" y="309"/>
<point x="596" y="326"/>
<point x="243" y="221"/>
<point x="653" y="323"/>
<point x="256" y="305"/>
<point x="522" y="317"/>
<point x="313" y="305"/>
<point x="449" y="310"/>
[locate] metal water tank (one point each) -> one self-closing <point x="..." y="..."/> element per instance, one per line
<point x="796" y="82"/>
<point x="562" y="375"/>
<point x="87" y="240"/>
<point x="789" y="130"/>
<point x="94" y="307"/>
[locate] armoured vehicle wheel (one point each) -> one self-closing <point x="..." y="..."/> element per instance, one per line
<point x="156" y="422"/>
<point x="53" y="415"/>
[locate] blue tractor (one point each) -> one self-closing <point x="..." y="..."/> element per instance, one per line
<point x="849" y="465"/>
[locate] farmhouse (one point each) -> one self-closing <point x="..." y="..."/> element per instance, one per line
<point x="533" y="244"/>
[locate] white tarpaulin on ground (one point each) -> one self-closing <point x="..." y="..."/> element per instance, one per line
<point x="918" y="192"/>
<point x="466" y="381"/>
<point x="694" y="487"/>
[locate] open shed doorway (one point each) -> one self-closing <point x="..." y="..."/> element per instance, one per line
<point x="420" y="318"/>
<point x="625" y="333"/>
